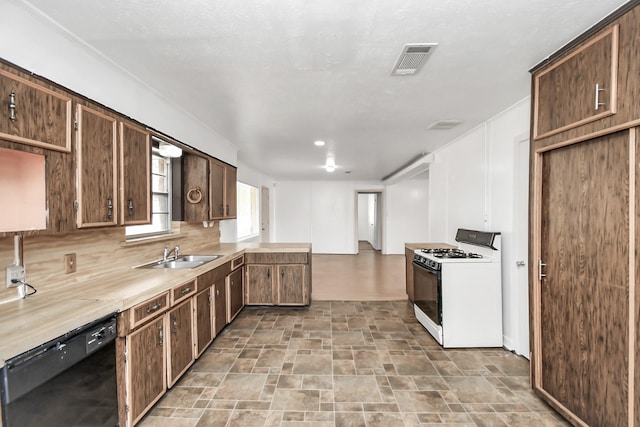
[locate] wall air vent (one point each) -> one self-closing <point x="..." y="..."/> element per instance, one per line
<point x="412" y="58"/>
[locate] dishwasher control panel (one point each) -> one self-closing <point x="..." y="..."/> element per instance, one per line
<point x="100" y="335"/>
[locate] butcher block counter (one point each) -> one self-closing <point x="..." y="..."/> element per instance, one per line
<point x="27" y="323"/>
<point x="408" y="255"/>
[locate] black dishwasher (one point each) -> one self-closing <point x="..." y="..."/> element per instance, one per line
<point x="69" y="381"/>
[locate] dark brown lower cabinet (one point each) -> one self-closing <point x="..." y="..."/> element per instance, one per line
<point x="180" y="340"/>
<point x="235" y="294"/>
<point x="220" y="305"/>
<point x="581" y="251"/>
<point x="203" y="320"/>
<point x="145" y="372"/>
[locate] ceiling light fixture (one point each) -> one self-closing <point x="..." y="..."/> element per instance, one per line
<point x="319" y="143"/>
<point x="168" y="150"/>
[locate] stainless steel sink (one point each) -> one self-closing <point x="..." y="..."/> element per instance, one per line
<point x="183" y="262"/>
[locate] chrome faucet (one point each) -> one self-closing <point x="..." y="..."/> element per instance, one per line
<point x="167" y="252"/>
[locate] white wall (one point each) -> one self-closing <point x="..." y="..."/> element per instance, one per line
<point x="325" y="213"/>
<point x="471" y="186"/>
<point x="44" y="49"/>
<point x="407" y="209"/>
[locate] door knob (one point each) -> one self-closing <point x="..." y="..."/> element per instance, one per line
<point x="520" y="263"/>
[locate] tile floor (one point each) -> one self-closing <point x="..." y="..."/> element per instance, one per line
<point x="347" y="363"/>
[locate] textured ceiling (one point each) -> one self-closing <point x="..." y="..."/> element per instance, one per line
<point x="272" y="76"/>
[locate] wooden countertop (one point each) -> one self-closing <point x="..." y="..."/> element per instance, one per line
<point x="414" y="246"/>
<point x="29" y="322"/>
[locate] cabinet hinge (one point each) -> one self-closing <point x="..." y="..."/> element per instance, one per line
<point x="76" y="205"/>
<point x="126" y="408"/>
<point x="75" y="125"/>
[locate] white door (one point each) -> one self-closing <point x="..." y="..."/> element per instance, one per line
<point x="264" y="215"/>
<point x="521" y="235"/>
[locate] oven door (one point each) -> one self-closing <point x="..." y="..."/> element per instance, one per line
<point x="428" y="299"/>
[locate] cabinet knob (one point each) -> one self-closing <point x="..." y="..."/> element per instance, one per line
<point x="130" y="207"/>
<point x="218" y="292"/>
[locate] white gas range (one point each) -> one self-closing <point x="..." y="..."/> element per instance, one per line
<point x="458" y="292"/>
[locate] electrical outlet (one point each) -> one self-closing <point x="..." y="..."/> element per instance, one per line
<point x="15" y="272"/>
<point x="70" y="263"/>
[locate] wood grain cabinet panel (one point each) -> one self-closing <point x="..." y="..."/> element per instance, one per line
<point x="271" y="282"/>
<point x="33" y="114"/>
<point x="222" y="190"/>
<point x="203" y="320"/>
<point x="135" y="175"/>
<point x="408" y="262"/>
<point x="235" y="294"/>
<point x="180" y="340"/>
<point x="580" y="88"/>
<point x="145" y="370"/>
<point x="291" y="284"/>
<point x="220" y="305"/>
<point x="97" y="174"/>
<point x="259" y="287"/>
<point x="195" y="170"/>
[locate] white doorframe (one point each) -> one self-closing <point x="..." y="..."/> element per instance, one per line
<point x="378" y="225"/>
<point x="521" y="240"/>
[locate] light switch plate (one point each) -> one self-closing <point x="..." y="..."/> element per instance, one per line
<point x="70" y="263"/>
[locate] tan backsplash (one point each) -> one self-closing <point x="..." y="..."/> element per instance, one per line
<point x="98" y="252"/>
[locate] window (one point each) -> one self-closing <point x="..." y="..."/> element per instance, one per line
<point x="160" y="200"/>
<point x="247" y="211"/>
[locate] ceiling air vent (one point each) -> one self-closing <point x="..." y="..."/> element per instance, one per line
<point x="444" y="124"/>
<point x="412" y="58"/>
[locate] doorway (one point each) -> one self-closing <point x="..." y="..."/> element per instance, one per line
<point x="369" y="221"/>
<point x="264" y="215"/>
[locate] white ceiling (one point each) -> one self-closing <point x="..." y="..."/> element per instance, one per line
<point x="272" y="76"/>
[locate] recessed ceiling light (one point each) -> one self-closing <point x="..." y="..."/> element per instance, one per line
<point x="318" y="143"/>
<point x="330" y="168"/>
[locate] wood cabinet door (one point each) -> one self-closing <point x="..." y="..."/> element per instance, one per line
<point x="180" y="340"/>
<point x="408" y="262"/>
<point x="195" y="184"/>
<point x="235" y="296"/>
<point x="217" y="208"/>
<point x="291" y="284"/>
<point x="580" y="306"/>
<point x="231" y="190"/>
<point x="203" y="320"/>
<point x="580" y="88"/>
<point x="146" y="368"/>
<point x="97" y="177"/>
<point x="259" y="287"/>
<point x="33" y="114"/>
<point x="135" y="175"/>
<point x="220" y="305"/>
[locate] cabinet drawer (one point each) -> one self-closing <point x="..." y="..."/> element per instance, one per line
<point x="183" y="291"/>
<point x="277" y="258"/>
<point x="149" y="309"/>
<point x="212" y="276"/>
<point x="237" y="262"/>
